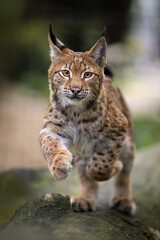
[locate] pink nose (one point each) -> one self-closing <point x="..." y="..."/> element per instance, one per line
<point x="75" y="90"/>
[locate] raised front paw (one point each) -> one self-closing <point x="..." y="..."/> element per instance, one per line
<point x="82" y="204"/>
<point x="124" y="205"/>
<point x="61" y="165"/>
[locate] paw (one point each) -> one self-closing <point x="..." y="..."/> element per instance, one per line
<point x="118" y="166"/>
<point x="61" y="166"/>
<point x="82" y="204"/>
<point x="124" y="205"/>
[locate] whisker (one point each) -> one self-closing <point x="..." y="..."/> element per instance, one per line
<point x="91" y="97"/>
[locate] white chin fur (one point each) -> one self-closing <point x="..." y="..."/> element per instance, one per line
<point x="67" y="102"/>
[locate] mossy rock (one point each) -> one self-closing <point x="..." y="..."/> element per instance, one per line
<point x="50" y="216"/>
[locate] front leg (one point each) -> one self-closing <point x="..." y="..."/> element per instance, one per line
<point x="55" y="152"/>
<point x="105" y="164"/>
<point x="86" y="200"/>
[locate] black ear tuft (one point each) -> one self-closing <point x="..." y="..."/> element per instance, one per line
<point x="104" y="30"/>
<point x="55" y="40"/>
<point x="52" y="36"/>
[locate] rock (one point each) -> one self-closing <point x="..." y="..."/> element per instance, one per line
<point x="50" y="216"/>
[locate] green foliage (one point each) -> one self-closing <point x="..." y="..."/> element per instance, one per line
<point x="24" y="30"/>
<point x="36" y="81"/>
<point x="147" y="131"/>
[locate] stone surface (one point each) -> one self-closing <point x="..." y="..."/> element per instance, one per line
<point x="50" y="216"/>
<point x="53" y="218"/>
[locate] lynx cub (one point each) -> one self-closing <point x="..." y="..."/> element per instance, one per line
<point x="88" y="124"/>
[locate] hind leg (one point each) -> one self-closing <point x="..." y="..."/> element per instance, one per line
<point x="123" y="187"/>
<point x="89" y="188"/>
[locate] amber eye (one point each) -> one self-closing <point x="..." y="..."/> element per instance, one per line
<point x="66" y="73"/>
<point x="88" y="75"/>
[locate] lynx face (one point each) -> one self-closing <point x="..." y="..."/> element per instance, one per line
<point x="76" y="77"/>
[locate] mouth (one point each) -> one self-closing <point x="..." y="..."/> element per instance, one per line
<point x="75" y="97"/>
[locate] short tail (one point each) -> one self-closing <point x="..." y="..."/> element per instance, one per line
<point x="108" y="72"/>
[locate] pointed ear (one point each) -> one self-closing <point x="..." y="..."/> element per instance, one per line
<point x="56" y="46"/>
<point x="98" y="52"/>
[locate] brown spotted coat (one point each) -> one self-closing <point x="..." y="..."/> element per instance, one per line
<point x="92" y="130"/>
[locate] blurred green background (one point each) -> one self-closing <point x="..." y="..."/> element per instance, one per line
<point x="133" y="38"/>
<point x="24" y="28"/>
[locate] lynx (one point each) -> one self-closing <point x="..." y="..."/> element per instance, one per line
<point x="87" y="125"/>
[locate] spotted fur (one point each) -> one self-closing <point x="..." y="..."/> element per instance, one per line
<point x="93" y="124"/>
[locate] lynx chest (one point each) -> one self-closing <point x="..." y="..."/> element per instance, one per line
<point x="83" y="141"/>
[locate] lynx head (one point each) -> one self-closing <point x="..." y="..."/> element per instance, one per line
<point x="75" y="77"/>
